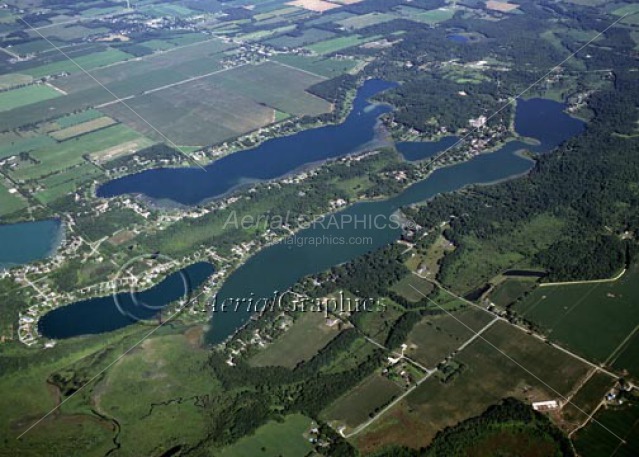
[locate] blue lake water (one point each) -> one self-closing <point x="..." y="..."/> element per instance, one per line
<point x="272" y="159"/>
<point x="28" y="241"/>
<point x="104" y="314"/>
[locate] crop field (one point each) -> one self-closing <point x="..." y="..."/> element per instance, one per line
<point x="586" y="400"/>
<point x="436" y="337"/>
<point x="61" y="184"/>
<point x="407" y="285"/>
<point x="14" y="79"/>
<point x="14" y="146"/>
<point x="339" y="43"/>
<point x="277" y="86"/>
<point x="354" y="407"/>
<point x="88" y="62"/>
<point x="77" y="118"/>
<point x="26" y="95"/>
<point x="426" y="17"/>
<point x="328" y="68"/>
<point x="509" y="290"/>
<point x="487" y="377"/>
<point x="198" y="113"/>
<point x="309" y="36"/>
<point x="596" y="441"/>
<point x="9" y="202"/>
<point x="625" y="358"/>
<point x="69" y="153"/>
<point x="81" y="129"/>
<point x="274" y="439"/>
<point x="365" y="20"/>
<point x="377" y="325"/>
<point x="593" y="319"/>
<point x="301" y="342"/>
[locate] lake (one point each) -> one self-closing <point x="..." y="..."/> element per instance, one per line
<point x="29" y="241"/>
<point x="104" y="314"/>
<point x="272" y="159"/>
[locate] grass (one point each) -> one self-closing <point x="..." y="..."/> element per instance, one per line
<point x="27" y="95"/>
<point x="366" y="20"/>
<point x="436" y="337"/>
<point x="10" y="203"/>
<point x="586" y="399"/>
<point x="356" y="406"/>
<point x="302" y="341"/>
<point x="595" y="441"/>
<point x="325" y="67"/>
<point x="61" y="184"/>
<point x="592" y="319"/>
<point x="509" y="290"/>
<point x="274" y="439"/>
<point x="487" y="377"/>
<point x="14" y="79"/>
<point x="278" y="86"/>
<point x="83" y="128"/>
<point x="339" y="43"/>
<point x="78" y="118"/>
<point x="88" y="62"/>
<point x="69" y="153"/>
<point x="430" y="17"/>
<point x="377" y="325"/>
<point x="407" y="285"/>
<point x="17" y="145"/>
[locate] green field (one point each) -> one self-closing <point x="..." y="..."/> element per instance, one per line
<point x="78" y="118"/>
<point x="601" y="438"/>
<point x="487" y="377"/>
<point x="61" y="184"/>
<point x="430" y="17"/>
<point x="83" y="128"/>
<point x="586" y="399"/>
<point x="17" y="145"/>
<point x="275" y="439"/>
<point x="407" y="285"/>
<point x="356" y="406"/>
<point x="68" y="153"/>
<point x="26" y="95"/>
<point x="365" y="20"/>
<point x="10" y="203"/>
<point x="592" y="319"/>
<point x="328" y="68"/>
<point x="339" y="43"/>
<point x="509" y="290"/>
<point x="87" y="62"/>
<point x="436" y="337"/>
<point x="14" y="79"/>
<point x="301" y="342"/>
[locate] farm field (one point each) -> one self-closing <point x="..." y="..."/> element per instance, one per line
<point x="308" y="334"/>
<point x="274" y="439"/>
<point x="9" y="202"/>
<point x="592" y="318"/>
<point x="68" y="153"/>
<point x="328" y="68"/>
<point x="88" y="62"/>
<point x="26" y="95"/>
<point x="83" y="128"/>
<point x="14" y="146"/>
<point x="486" y="377"/>
<point x="339" y="43"/>
<point x="430" y="17"/>
<point x="623" y="421"/>
<point x="60" y="184"/>
<point x="359" y="403"/>
<point x="509" y="290"/>
<point x="436" y="337"/>
<point x="365" y="20"/>
<point x="586" y="400"/>
<point x="14" y="79"/>
<point x="277" y="86"/>
<point x="407" y="285"/>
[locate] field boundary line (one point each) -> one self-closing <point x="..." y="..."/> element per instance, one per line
<point x="298" y="69"/>
<point x="514" y="361"/>
<point x="587" y="281"/>
<point x="622" y="347"/>
<point x="168" y="140"/>
<point x="429" y="373"/>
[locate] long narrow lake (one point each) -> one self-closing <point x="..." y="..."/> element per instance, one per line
<point x="272" y="159"/>
<point x="278" y="267"/>
<point x="28" y="241"/>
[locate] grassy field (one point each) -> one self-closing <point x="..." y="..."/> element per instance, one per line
<point x="339" y="43"/>
<point x="77" y="118"/>
<point x="275" y="439"/>
<point x="509" y="290"/>
<point x="61" y="184"/>
<point x="278" y="86"/>
<point x="16" y="145"/>
<point x="595" y="441"/>
<point x="69" y="153"/>
<point x="436" y="337"/>
<point x="301" y="342"/>
<point x="487" y="377"/>
<point x="26" y="95"/>
<point x="83" y="128"/>
<point x="365" y="20"/>
<point x="586" y="400"/>
<point x="325" y="67"/>
<point x="9" y="202"/>
<point x="359" y="403"/>
<point x="407" y="285"/>
<point x="592" y="319"/>
<point x="377" y="325"/>
<point x="426" y="17"/>
<point x="13" y="79"/>
<point x="88" y="62"/>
